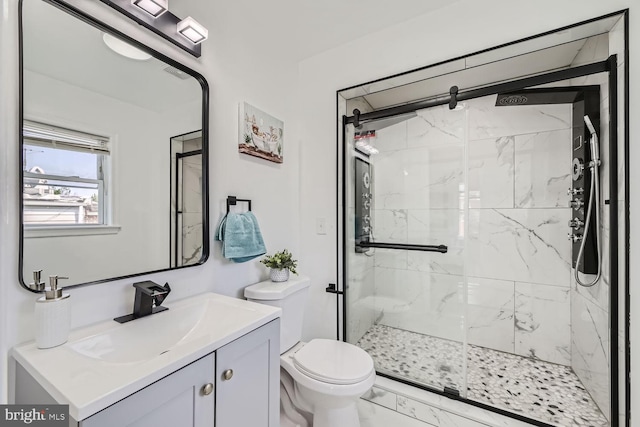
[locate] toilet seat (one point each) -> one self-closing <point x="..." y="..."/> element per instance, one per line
<point x="333" y="362"/>
<point x="320" y="386"/>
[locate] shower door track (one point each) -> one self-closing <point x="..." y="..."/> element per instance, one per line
<point x="510" y="86"/>
<point x="609" y="66"/>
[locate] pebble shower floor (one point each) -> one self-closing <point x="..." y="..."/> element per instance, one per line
<point x="540" y="390"/>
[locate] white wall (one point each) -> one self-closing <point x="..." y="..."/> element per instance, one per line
<point x="462" y="28"/>
<point x="233" y="77"/>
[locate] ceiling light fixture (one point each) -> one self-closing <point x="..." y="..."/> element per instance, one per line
<point x="192" y="30"/>
<point x="154" y="8"/>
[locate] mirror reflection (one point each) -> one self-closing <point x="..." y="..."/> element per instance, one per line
<point x="186" y="199"/>
<point x="112" y="154"/>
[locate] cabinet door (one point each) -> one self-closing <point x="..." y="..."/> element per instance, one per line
<point x="248" y="379"/>
<point x="176" y="400"/>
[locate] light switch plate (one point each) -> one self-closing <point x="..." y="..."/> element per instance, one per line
<point x="321" y="226"/>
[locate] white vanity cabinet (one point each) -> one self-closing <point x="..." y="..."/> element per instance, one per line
<point x="237" y="385"/>
<point x="184" y="398"/>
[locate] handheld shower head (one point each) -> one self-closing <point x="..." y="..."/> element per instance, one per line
<point x="595" y="147"/>
<point x="587" y="121"/>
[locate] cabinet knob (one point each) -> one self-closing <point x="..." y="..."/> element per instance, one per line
<point x="207" y="389"/>
<point x="228" y="374"/>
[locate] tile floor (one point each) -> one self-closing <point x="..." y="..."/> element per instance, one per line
<point x="536" y="389"/>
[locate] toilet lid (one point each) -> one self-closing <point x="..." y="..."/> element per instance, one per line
<point x="333" y="362"/>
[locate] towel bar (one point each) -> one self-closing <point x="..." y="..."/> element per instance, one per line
<point x="425" y="248"/>
<point x="233" y="200"/>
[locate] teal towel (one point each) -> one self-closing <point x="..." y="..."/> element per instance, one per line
<point x="241" y="237"/>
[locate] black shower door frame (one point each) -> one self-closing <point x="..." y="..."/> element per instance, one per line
<point x="455" y="95"/>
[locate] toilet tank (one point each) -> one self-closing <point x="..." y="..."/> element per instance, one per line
<point x="291" y="297"/>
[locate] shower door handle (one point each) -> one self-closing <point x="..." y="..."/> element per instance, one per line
<point x="404" y="246"/>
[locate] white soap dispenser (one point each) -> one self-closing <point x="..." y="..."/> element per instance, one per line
<point x="53" y="316"/>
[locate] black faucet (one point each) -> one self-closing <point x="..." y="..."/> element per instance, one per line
<point x="148" y="300"/>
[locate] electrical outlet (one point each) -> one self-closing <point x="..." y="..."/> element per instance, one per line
<point x="321" y="226"/>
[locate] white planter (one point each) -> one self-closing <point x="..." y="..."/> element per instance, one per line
<point x="279" y="275"/>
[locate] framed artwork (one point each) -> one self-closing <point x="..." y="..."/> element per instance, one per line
<point x="260" y="134"/>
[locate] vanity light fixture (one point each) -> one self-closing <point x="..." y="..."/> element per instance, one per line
<point x="154" y="8"/>
<point x="154" y="15"/>
<point x="192" y="30"/>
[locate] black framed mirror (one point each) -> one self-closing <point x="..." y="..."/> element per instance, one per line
<point x="107" y="190"/>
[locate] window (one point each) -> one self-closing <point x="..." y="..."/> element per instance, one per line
<point x="64" y="176"/>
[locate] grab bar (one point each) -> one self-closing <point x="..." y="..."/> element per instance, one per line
<point x="404" y="246"/>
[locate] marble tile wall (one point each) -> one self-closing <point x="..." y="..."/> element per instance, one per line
<point x="539" y="155"/>
<point x="524" y="245"/>
<point x="192" y="237"/>
<point x="518" y="162"/>
<point x="590" y="338"/>
<point x="417" y="301"/>
<point x="490" y="313"/>
<point x="440" y="304"/>
<point x="491" y="173"/>
<point x="543" y="322"/>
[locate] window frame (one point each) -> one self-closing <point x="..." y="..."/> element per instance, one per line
<point x="60" y="138"/>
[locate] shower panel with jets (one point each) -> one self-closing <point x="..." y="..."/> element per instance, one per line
<point x="459" y="276"/>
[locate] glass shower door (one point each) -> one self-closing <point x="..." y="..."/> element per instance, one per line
<point x="500" y="319"/>
<point x="405" y="202"/>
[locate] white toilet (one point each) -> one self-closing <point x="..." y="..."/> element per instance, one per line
<point x="320" y="381"/>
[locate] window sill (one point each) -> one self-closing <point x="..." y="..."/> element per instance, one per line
<point x="38" y="231"/>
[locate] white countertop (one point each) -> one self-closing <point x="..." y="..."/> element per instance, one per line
<point x="89" y="384"/>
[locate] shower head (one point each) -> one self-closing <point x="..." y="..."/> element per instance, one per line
<point x="543" y="96"/>
<point x="587" y="121"/>
<point x="595" y="147"/>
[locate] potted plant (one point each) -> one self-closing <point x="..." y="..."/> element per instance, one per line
<point x="280" y="263"/>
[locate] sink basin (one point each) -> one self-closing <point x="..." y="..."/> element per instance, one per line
<point x="142" y="338"/>
<point x="151" y="336"/>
